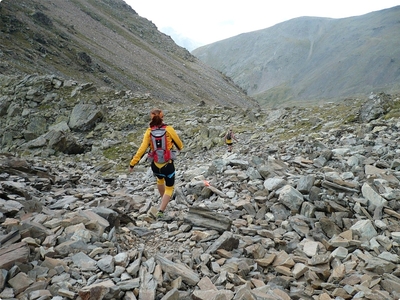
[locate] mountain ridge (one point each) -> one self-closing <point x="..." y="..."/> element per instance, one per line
<point x="108" y="43"/>
<point x="312" y="58"/>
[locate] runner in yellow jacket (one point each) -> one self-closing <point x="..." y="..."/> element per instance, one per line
<point x="162" y="164"/>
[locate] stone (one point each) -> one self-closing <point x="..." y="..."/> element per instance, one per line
<point x="313" y="217"/>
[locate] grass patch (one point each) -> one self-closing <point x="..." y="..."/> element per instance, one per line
<point x="393" y="110"/>
<point x="121" y="152"/>
<point x="275" y="97"/>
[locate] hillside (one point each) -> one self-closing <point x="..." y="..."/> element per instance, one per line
<point x="310" y="59"/>
<point x="304" y="207"/>
<point x="107" y="43"/>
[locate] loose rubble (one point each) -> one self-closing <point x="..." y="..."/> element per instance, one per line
<point x="305" y="207"/>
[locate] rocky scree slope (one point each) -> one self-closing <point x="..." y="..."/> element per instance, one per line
<point x="306" y="207"/>
<point x="47" y="115"/>
<point x="106" y="42"/>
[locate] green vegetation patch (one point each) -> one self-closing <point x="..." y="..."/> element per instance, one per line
<point x="393" y="110"/>
<point x="275" y="97"/>
<point x="119" y="152"/>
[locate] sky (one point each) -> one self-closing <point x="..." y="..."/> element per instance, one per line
<point x="208" y="21"/>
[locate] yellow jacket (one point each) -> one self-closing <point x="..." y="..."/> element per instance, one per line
<point x="172" y="139"/>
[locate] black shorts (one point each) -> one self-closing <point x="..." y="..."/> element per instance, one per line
<point x="166" y="172"/>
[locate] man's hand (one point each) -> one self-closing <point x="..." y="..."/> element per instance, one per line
<point x="130" y="169"/>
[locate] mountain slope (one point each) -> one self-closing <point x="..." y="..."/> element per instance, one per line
<point x="108" y="43"/>
<point x="311" y="58"/>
